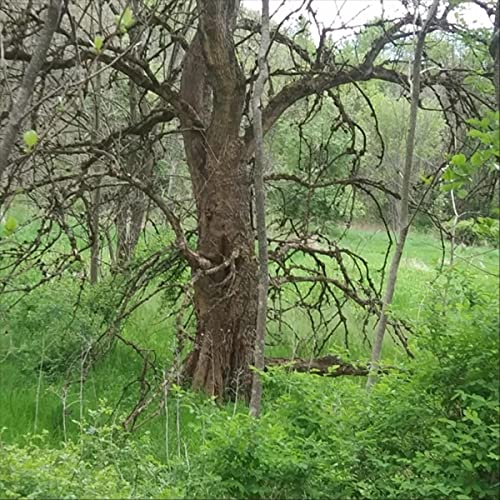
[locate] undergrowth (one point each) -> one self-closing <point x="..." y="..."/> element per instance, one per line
<point x="429" y="429"/>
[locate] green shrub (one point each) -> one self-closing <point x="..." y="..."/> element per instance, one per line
<point x="35" y="471"/>
<point x="103" y="463"/>
<point x="51" y="327"/>
<point x="477" y="231"/>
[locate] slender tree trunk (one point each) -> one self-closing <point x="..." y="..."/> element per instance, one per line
<point x="21" y="101"/>
<point x="225" y="301"/>
<point x="95" y="204"/>
<point x="495" y="53"/>
<point x="260" y="212"/>
<point x="124" y="244"/>
<point x="94" y="232"/>
<point x="172" y="184"/>
<point x="403" y="215"/>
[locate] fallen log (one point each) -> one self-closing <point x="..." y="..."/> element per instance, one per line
<point x="326" y="366"/>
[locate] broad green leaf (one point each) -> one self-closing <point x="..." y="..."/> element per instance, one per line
<point x="30" y="138"/>
<point x="474" y="122"/>
<point x="448" y="174"/>
<point x="125" y="20"/>
<point x="98" y="43"/>
<point x="452" y="185"/>
<point x="482" y="136"/>
<point x="487" y="154"/>
<point x="476" y="159"/>
<point x="459" y="160"/>
<point x="484" y="123"/>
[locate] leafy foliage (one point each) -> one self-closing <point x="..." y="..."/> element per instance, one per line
<point x="51" y="334"/>
<point x="30" y="138"/>
<point x="486" y="155"/>
<point x="477" y="230"/>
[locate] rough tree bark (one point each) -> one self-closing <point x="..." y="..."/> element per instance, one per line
<point x="405" y="190"/>
<point x="25" y="92"/>
<point x="225" y="301"/>
<point x="260" y="213"/>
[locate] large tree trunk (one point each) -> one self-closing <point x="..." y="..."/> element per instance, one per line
<point x="225" y="301"/>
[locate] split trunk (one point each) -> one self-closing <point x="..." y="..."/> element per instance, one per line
<point x="225" y="301"/>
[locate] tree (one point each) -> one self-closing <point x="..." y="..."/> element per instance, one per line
<point x="24" y="94"/>
<point x="205" y="98"/>
<point x="260" y="206"/>
<point x="404" y="221"/>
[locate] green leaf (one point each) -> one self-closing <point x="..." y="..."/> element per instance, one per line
<point x="459" y="160"/>
<point x="333" y="368"/>
<point x="476" y="159"/>
<point x="474" y="122"/>
<point x="30" y="138"/>
<point x="462" y="193"/>
<point x="10" y="224"/>
<point x="482" y="136"/>
<point x="451" y="185"/>
<point x="426" y="179"/>
<point x="98" y="43"/>
<point x="448" y="174"/>
<point x="484" y="123"/>
<point x="125" y="20"/>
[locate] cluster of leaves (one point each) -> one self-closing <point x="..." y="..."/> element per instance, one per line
<point x="477" y="230"/>
<point x="459" y="173"/>
<point x="103" y="463"/>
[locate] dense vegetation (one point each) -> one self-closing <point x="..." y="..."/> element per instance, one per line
<point x="120" y="256"/>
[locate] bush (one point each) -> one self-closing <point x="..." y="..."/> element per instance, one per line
<point x="54" y="324"/>
<point x="35" y="471"/>
<point x="103" y="463"/>
<point x="477" y="231"/>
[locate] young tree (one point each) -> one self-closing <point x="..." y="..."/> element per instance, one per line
<point x="260" y="208"/>
<point x="404" y="225"/>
